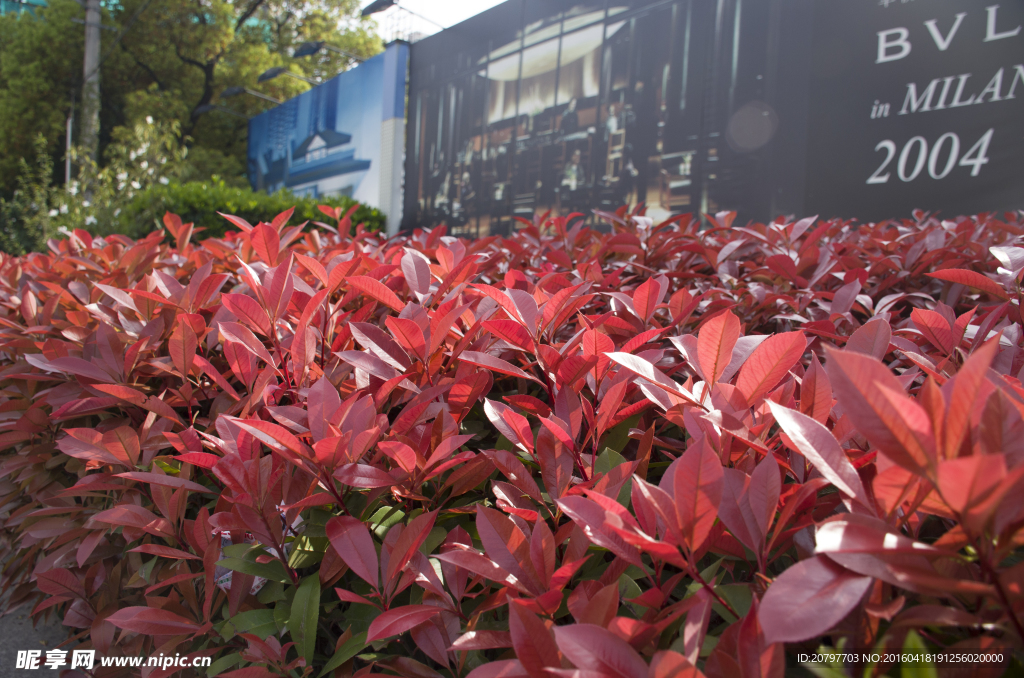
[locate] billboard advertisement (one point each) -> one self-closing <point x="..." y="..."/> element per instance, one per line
<point x="342" y="137"/>
<point x="922" y="101"/>
<point x="769" y="108"/>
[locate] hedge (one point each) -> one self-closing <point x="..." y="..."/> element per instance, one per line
<point x="200" y="202"/>
<point x="662" y="451"/>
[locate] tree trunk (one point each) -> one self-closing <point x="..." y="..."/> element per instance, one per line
<point x="91" y="80"/>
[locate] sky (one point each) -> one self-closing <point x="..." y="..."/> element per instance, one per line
<point x="445" y="12"/>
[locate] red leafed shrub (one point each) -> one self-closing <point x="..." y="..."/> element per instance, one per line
<point x="660" y="451"/>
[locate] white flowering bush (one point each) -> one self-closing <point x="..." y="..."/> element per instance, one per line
<point x="140" y="156"/>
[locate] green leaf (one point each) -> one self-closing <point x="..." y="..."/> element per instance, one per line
<point x="224" y="663"/>
<point x="824" y="671"/>
<point x="738" y="596"/>
<point x="282" y="613"/>
<point x="257" y="622"/>
<point x="350" y="648"/>
<point x="914" y="645"/>
<point x="307" y="551"/>
<point x="272" y="571"/>
<point x="628" y="588"/>
<point x="434" y="538"/>
<point x="607" y="460"/>
<point x="271" y="593"/>
<point x="304" y="617"/>
<point x="618" y="437"/>
<point x="359" y="617"/>
<point x="384" y="519"/>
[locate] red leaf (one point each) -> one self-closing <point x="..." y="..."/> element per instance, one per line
<point x="591" y="517"/>
<point x="764" y="490"/>
<point x="820" y="447"/>
<point x="351" y="539"/>
<point x="510" y="424"/>
<point x="503" y="300"/>
<point x="314" y="267"/>
<point x="769" y="363"/>
<point x="646" y="370"/>
<point x="369" y="363"/>
<point x="962" y="398"/>
<point x="273" y="436"/>
<point x="495" y="364"/>
<point x="482" y="640"/>
<point x="872" y="548"/>
<point x="573" y="369"/>
<point x="873" y="399"/>
<point x="971" y="279"/>
<point x="532" y="641"/>
<point x="241" y="223"/>
<point x="669" y="664"/>
<point x="974" y="487"/>
<point x="281" y="219"/>
<point x="516" y="472"/>
<point x="130" y="515"/>
<point x="87" y="445"/>
<point x="715" y="343"/>
<point x="935" y="328"/>
<point x="530" y="404"/>
<point x="243" y="335"/>
<point x="507" y="546"/>
<point x="376" y="290"/>
<point x="60" y="582"/>
<point x="872" y="338"/>
<point x="646" y="298"/>
<point x="164" y="552"/>
<point x="165" y="481"/>
<point x="409" y="335"/>
<point x="410" y="539"/>
<point x="416" y="268"/>
<point x="735" y="512"/>
<point x="200" y="459"/>
<point x="808" y="599"/>
<point x="248" y="310"/>
<point x="511" y="331"/>
<point x="816" y="392"/>
<point x="502" y="668"/>
<point x="697" y="484"/>
<point x="477" y="563"/>
<point x="151" y="621"/>
<point x="399" y="620"/>
<point x="592" y="648"/>
<point x="130" y="395"/>
<point x="383" y="346"/>
<point x="361" y="475"/>
<point x="266" y="242"/>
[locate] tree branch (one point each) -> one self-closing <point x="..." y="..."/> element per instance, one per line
<point x="250" y="10"/>
<point x="149" y="71"/>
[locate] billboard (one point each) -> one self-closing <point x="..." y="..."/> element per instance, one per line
<point x="917" y="104"/>
<point x="343" y="137"/>
<point x="766" y="108"/>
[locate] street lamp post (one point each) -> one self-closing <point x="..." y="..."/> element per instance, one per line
<point x="272" y="73"/>
<point x="381" y="5"/>
<point x="310" y="48"/>
<point x="238" y="89"/>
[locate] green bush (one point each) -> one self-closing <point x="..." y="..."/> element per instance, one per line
<point x="200" y="201"/>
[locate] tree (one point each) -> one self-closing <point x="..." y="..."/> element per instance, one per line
<point x="167" y="59"/>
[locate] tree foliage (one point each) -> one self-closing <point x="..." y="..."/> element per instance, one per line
<point x="167" y="59"/>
